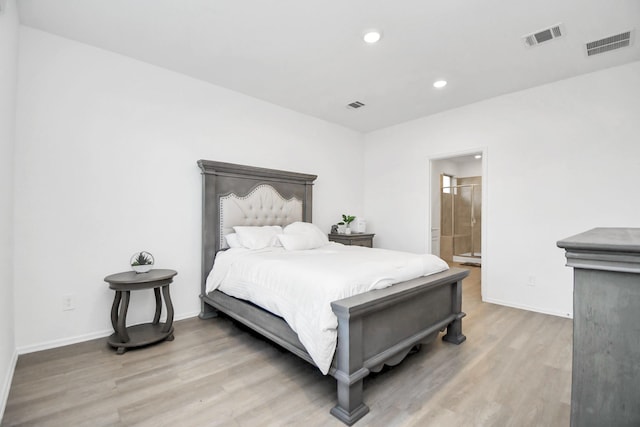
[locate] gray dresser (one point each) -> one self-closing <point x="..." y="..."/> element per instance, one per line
<point x="605" y="387"/>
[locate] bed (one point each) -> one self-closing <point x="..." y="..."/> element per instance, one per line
<point x="375" y="329"/>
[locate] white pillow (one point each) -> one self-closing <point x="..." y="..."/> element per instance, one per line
<point x="258" y="237"/>
<point x="232" y="240"/>
<point x="304" y="236"/>
<point x="297" y="242"/>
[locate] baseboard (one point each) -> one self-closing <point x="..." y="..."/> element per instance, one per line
<point x="6" y="384"/>
<point x="47" y="345"/>
<point x="187" y="315"/>
<point x="528" y="308"/>
<point x="63" y="341"/>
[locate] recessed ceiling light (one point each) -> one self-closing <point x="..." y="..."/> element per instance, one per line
<point x="439" y="84"/>
<point x="477" y="156"/>
<point x="372" y="36"/>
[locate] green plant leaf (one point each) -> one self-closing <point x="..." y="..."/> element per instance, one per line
<point x="142" y="259"/>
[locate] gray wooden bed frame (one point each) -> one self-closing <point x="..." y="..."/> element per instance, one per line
<point x="376" y="328"/>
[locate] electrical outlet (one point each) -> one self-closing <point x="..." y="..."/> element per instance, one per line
<point x="67" y="303"/>
<point x="531" y="281"/>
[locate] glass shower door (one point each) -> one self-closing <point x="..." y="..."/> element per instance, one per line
<point x="463" y="221"/>
<point x="461" y="215"/>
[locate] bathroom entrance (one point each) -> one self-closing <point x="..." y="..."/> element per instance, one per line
<point x="456" y="208"/>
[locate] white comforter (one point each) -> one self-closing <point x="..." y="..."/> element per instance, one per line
<point x="299" y="286"/>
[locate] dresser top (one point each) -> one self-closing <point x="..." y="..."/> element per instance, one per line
<point x="604" y="239"/>
<point x="353" y="234"/>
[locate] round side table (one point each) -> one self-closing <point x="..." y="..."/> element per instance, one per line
<point x="147" y="333"/>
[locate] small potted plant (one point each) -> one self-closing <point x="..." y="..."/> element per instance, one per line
<point x="141" y="262"/>
<point x="346" y="221"/>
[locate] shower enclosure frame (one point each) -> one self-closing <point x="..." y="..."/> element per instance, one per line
<point x="453" y="190"/>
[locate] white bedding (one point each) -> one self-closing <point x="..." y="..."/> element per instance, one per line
<point x="299" y="286"/>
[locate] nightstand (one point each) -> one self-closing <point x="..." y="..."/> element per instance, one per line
<point x="353" y="239"/>
<point x="148" y="333"/>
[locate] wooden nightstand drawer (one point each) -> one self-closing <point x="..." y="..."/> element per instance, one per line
<point x="354" y="239"/>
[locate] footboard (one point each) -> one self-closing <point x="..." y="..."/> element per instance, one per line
<point x="380" y="327"/>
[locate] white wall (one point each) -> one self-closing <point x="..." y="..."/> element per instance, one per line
<point x="468" y="168"/>
<point x="8" y="69"/>
<point x="106" y="166"/>
<point x="561" y="158"/>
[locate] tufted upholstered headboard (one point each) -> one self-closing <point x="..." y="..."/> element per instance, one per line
<point x="246" y="195"/>
<point x="262" y="206"/>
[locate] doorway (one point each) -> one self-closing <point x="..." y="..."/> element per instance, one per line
<point x="457" y="203"/>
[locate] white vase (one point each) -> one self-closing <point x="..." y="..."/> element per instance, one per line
<point x="142" y="268"/>
<point x="347" y="230"/>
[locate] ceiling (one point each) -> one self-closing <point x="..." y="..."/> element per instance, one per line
<point x="309" y="56"/>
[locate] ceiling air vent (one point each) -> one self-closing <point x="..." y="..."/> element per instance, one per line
<point x="609" y="43"/>
<point x="542" y="36"/>
<point x="355" y="105"/>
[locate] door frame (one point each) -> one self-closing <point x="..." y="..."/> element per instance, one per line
<point x="484" y="228"/>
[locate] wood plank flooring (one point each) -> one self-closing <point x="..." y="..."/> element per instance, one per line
<point x="513" y="370"/>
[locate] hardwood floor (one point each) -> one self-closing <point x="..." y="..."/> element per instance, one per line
<point x="513" y="370"/>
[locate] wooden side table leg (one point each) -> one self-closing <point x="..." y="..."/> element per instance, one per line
<point x="114" y="310"/>
<point x="156" y="318"/>
<point x="121" y="326"/>
<point x="167" y="299"/>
